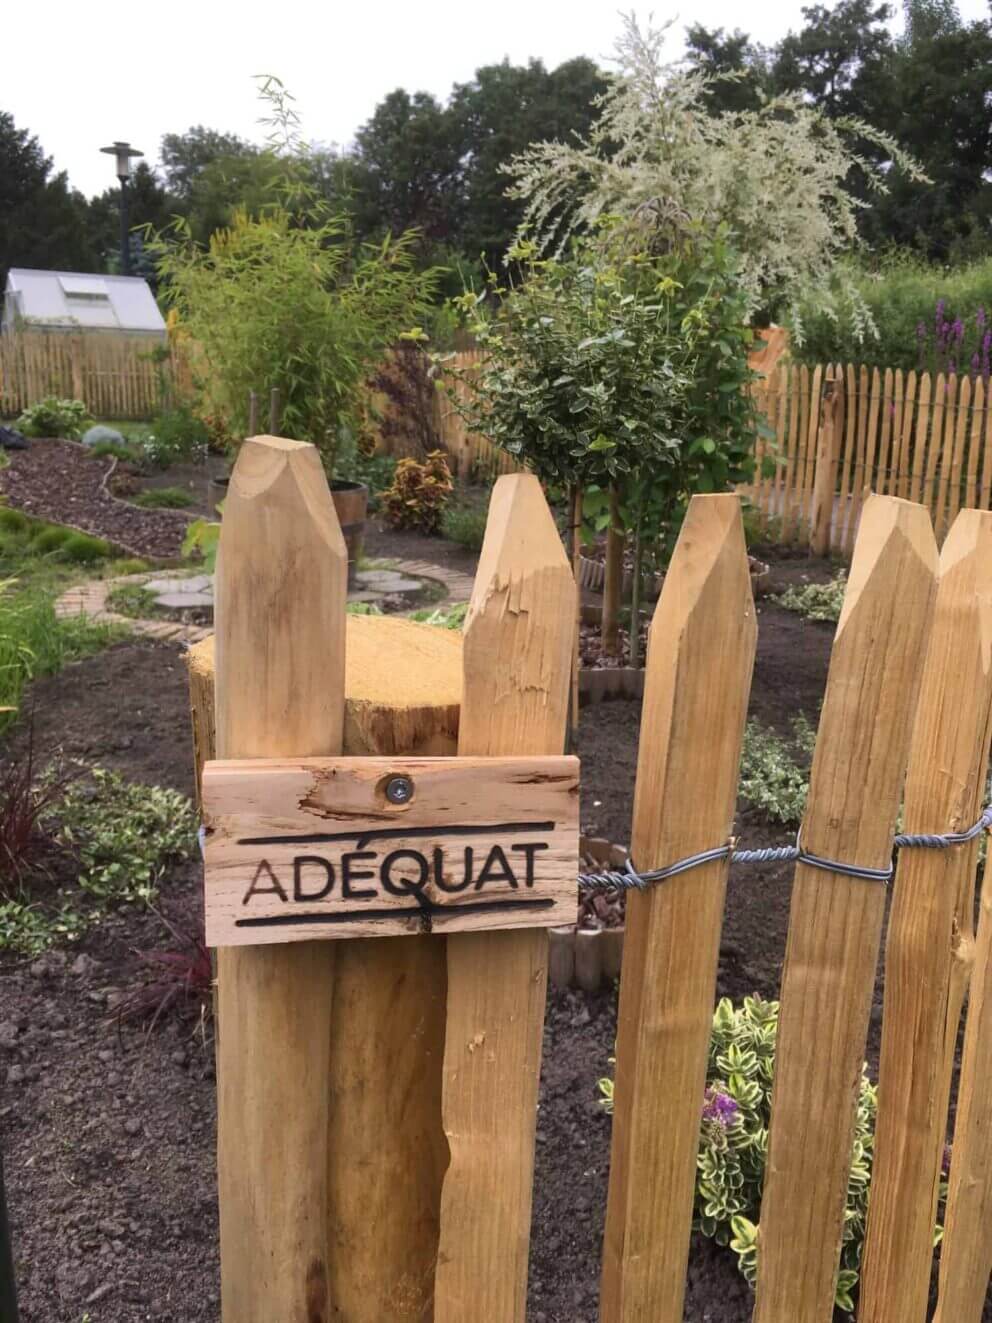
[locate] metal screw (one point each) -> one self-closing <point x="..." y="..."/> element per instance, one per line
<point x="399" y="790"/>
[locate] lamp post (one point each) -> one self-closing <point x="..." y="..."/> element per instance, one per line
<point x="123" y="152"/>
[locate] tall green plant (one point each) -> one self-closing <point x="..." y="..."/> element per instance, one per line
<point x="275" y="304"/>
<point x="283" y="299"/>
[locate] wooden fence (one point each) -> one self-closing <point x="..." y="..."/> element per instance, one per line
<point x="840" y="431"/>
<point x="116" y="376"/>
<point x="378" y="1095"/>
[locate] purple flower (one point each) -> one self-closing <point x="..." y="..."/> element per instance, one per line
<point x="976" y="365"/>
<point x="958" y="329"/>
<point x="952" y="368"/>
<point x="941" y="305"/>
<point x="980" y="320"/>
<point x="987" y="342"/>
<point x="945" y="1162"/>
<point x="720" y="1108"/>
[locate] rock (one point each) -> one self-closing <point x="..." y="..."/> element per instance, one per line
<point x="95" y="435"/>
<point x="196" y="583"/>
<point x="8" y="1034"/>
<point x="99" y="1293"/>
<point x="16" y="1075"/>
<point x="132" y="1126"/>
<point x="84" y="965"/>
<point x="12" y="439"/>
<point x="184" y="601"/>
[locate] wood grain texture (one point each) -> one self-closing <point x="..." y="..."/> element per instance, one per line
<point x="835" y="923"/>
<point x="930" y="946"/>
<point x="700" y="659"/>
<point x="966" y="1250"/>
<point x="279" y="691"/>
<point x="518" y="644"/>
<point x="309" y="849"/>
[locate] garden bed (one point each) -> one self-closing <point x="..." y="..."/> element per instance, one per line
<point x="59" y="481"/>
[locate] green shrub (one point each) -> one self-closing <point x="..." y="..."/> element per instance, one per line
<point x="816" y="601"/>
<point x="124" y="834"/>
<point x="102" y="449"/>
<point x="901" y="297"/>
<point x="363" y="609"/>
<point x="50" y="537"/>
<point x="377" y="472"/>
<point x="465" y="524"/>
<point x="775" y="771"/>
<point x="12" y="521"/>
<point x="34" y="641"/>
<point x="175" y="436"/>
<point x="733" y="1143"/>
<point x="163" y="498"/>
<point x="129" y="565"/>
<point x="419" y="493"/>
<point x="81" y="549"/>
<point x="52" y="417"/>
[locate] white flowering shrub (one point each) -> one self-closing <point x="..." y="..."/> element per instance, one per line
<point x="775" y="769"/>
<point x="777" y="177"/>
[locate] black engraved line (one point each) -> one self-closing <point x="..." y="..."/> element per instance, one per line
<point x="401" y="912"/>
<point x="399" y="833"/>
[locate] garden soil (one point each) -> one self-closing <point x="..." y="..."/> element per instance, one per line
<point x="108" y="1133"/>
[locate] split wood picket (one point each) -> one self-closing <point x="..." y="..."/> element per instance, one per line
<point x="378" y="1096"/>
<point x="844" y="430"/>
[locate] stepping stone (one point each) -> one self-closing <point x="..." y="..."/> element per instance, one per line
<point x="365" y="597"/>
<point x="370" y="578"/>
<point x="398" y="584"/>
<point x="184" y="601"/>
<point x="197" y="583"/>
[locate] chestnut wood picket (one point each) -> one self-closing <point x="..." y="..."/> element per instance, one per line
<point x="898" y="434"/>
<point x="378" y="1096"/>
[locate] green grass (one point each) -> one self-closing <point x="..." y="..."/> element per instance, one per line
<point x="465" y="525"/>
<point x="163" y="498"/>
<point x="34" y="641"/>
<point x="446" y="617"/>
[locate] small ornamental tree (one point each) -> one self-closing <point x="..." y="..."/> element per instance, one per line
<point x="778" y="176"/>
<point x="620" y="374"/>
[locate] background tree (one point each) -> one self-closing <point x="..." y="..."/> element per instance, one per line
<point x="43" y="222"/>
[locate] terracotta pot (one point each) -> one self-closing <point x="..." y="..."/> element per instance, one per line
<point x="351" y="501"/>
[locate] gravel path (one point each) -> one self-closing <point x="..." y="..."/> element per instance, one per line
<point x="57" y="480"/>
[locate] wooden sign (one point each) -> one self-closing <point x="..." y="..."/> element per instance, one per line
<point x="376" y="847"/>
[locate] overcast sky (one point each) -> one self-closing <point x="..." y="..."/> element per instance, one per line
<point x="79" y="76"/>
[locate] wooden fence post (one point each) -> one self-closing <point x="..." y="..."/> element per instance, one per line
<point x="280" y="690"/>
<point x="966" y="1250"/>
<point x="825" y="476"/>
<point x="275" y="410"/>
<point x="836" y="920"/>
<point x="929" y="945"/>
<point x="697" y="682"/>
<point x="252" y="413"/>
<point x="517" y="652"/>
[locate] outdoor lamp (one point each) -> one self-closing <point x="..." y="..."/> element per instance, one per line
<point x="123" y="151"/>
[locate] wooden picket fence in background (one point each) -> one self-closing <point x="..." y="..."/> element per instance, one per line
<point x="378" y="1096"/>
<point x="851" y="429"/>
<point x="116" y="376"/>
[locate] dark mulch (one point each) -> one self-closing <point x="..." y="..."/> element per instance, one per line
<point x="57" y="480"/>
<point x="109" y="1139"/>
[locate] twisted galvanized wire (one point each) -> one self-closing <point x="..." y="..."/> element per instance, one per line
<point x="616" y="880"/>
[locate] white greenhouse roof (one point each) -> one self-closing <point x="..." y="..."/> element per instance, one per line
<point x="66" y="299"/>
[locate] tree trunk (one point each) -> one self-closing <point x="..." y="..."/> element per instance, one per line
<point x="616" y="541"/>
<point x="635" y="600"/>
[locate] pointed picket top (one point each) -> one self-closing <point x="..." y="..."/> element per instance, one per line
<point x="519" y="626"/>
<point x="835" y="923"/>
<point x="696" y="688"/>
<point x="929" y="944"/>
<point x="280" y="618"/>
<point x="517" y="658"/>
<point x="281" y="587"/>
